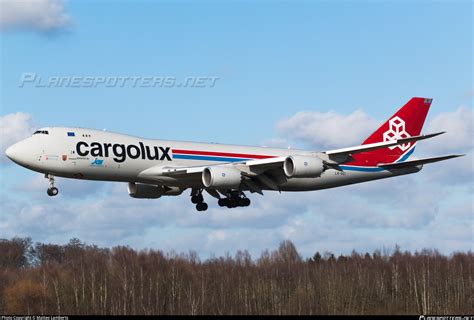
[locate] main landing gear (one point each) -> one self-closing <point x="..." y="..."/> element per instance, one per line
<point x="234" y="199"/>
<point x="198" y="199"/>
<point x="52" y="190"/>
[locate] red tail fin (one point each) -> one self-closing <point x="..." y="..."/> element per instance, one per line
<point x="406" y="122"/>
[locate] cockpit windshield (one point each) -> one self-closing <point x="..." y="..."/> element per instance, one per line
<point x="41" y="132"/>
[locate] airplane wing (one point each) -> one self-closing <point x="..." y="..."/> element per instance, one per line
<point x="338" y="156"/>
<point x="261" y="165"/>
<point x="268" y="172"/>
<point x="417" y="162"/>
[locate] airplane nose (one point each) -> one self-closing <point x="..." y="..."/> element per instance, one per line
<point x="18" y="153"/>
<point x="11" y="151"/>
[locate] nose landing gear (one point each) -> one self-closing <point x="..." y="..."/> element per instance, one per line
<point x="52" y="190"/>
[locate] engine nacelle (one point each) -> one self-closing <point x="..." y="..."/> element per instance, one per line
<point x="221" y="177"/>
<point x="303" y="166"/>
<point x="148" y="191"/>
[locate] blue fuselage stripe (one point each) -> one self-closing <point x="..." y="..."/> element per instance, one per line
<point x="407" y="155"/>
<point x="362" y="169"/>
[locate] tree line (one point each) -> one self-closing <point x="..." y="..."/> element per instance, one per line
<point x="78" y="278"/>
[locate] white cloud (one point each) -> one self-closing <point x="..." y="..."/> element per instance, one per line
<point x="329" y="130"/>
<point x="325" y="130"/>
<point x="371" y="215"/>
<point x="313" y="220"/>
<point x="459" y="136"/>
<point x="38" y="15"/>
<point x="458" y="139"/>
<point x="14" y="127"/>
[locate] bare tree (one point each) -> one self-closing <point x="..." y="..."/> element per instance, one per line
<point x="77" y="278"/>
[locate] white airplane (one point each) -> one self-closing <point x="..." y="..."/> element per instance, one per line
<point x="156" y="168"/>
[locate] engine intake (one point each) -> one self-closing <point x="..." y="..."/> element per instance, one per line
<point x="303" y="166"/>
<point x="148" y="191"/>
<point x="221" y="177"/>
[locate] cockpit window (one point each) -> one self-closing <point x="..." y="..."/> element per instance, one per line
<point x="41" y="132"/>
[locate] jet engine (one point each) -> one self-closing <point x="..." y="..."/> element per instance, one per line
<point x="221" y="177"/>
<point x="148" y="191"/>
<point x="303" y="166"/>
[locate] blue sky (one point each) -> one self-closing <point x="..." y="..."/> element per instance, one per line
<point x="272" y="61"/>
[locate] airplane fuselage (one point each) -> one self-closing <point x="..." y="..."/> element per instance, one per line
<point x="100" y="155"/>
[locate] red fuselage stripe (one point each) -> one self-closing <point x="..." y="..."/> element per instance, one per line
<point x="222" y="154"/>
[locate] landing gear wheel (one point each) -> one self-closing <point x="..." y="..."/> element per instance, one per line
<point x="231" y="203"/>
<point x="52" y="191"/>
<point x="234" y="199"/>
<point x="244" y="202"/>
<point x="197" y="198"/>
<point x="201" y="206"/>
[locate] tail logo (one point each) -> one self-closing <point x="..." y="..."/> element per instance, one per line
<point x="396" y="131"/>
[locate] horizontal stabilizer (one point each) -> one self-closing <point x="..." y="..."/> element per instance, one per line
<point x="379" y="145"/>
<point x="414" y="163"/>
